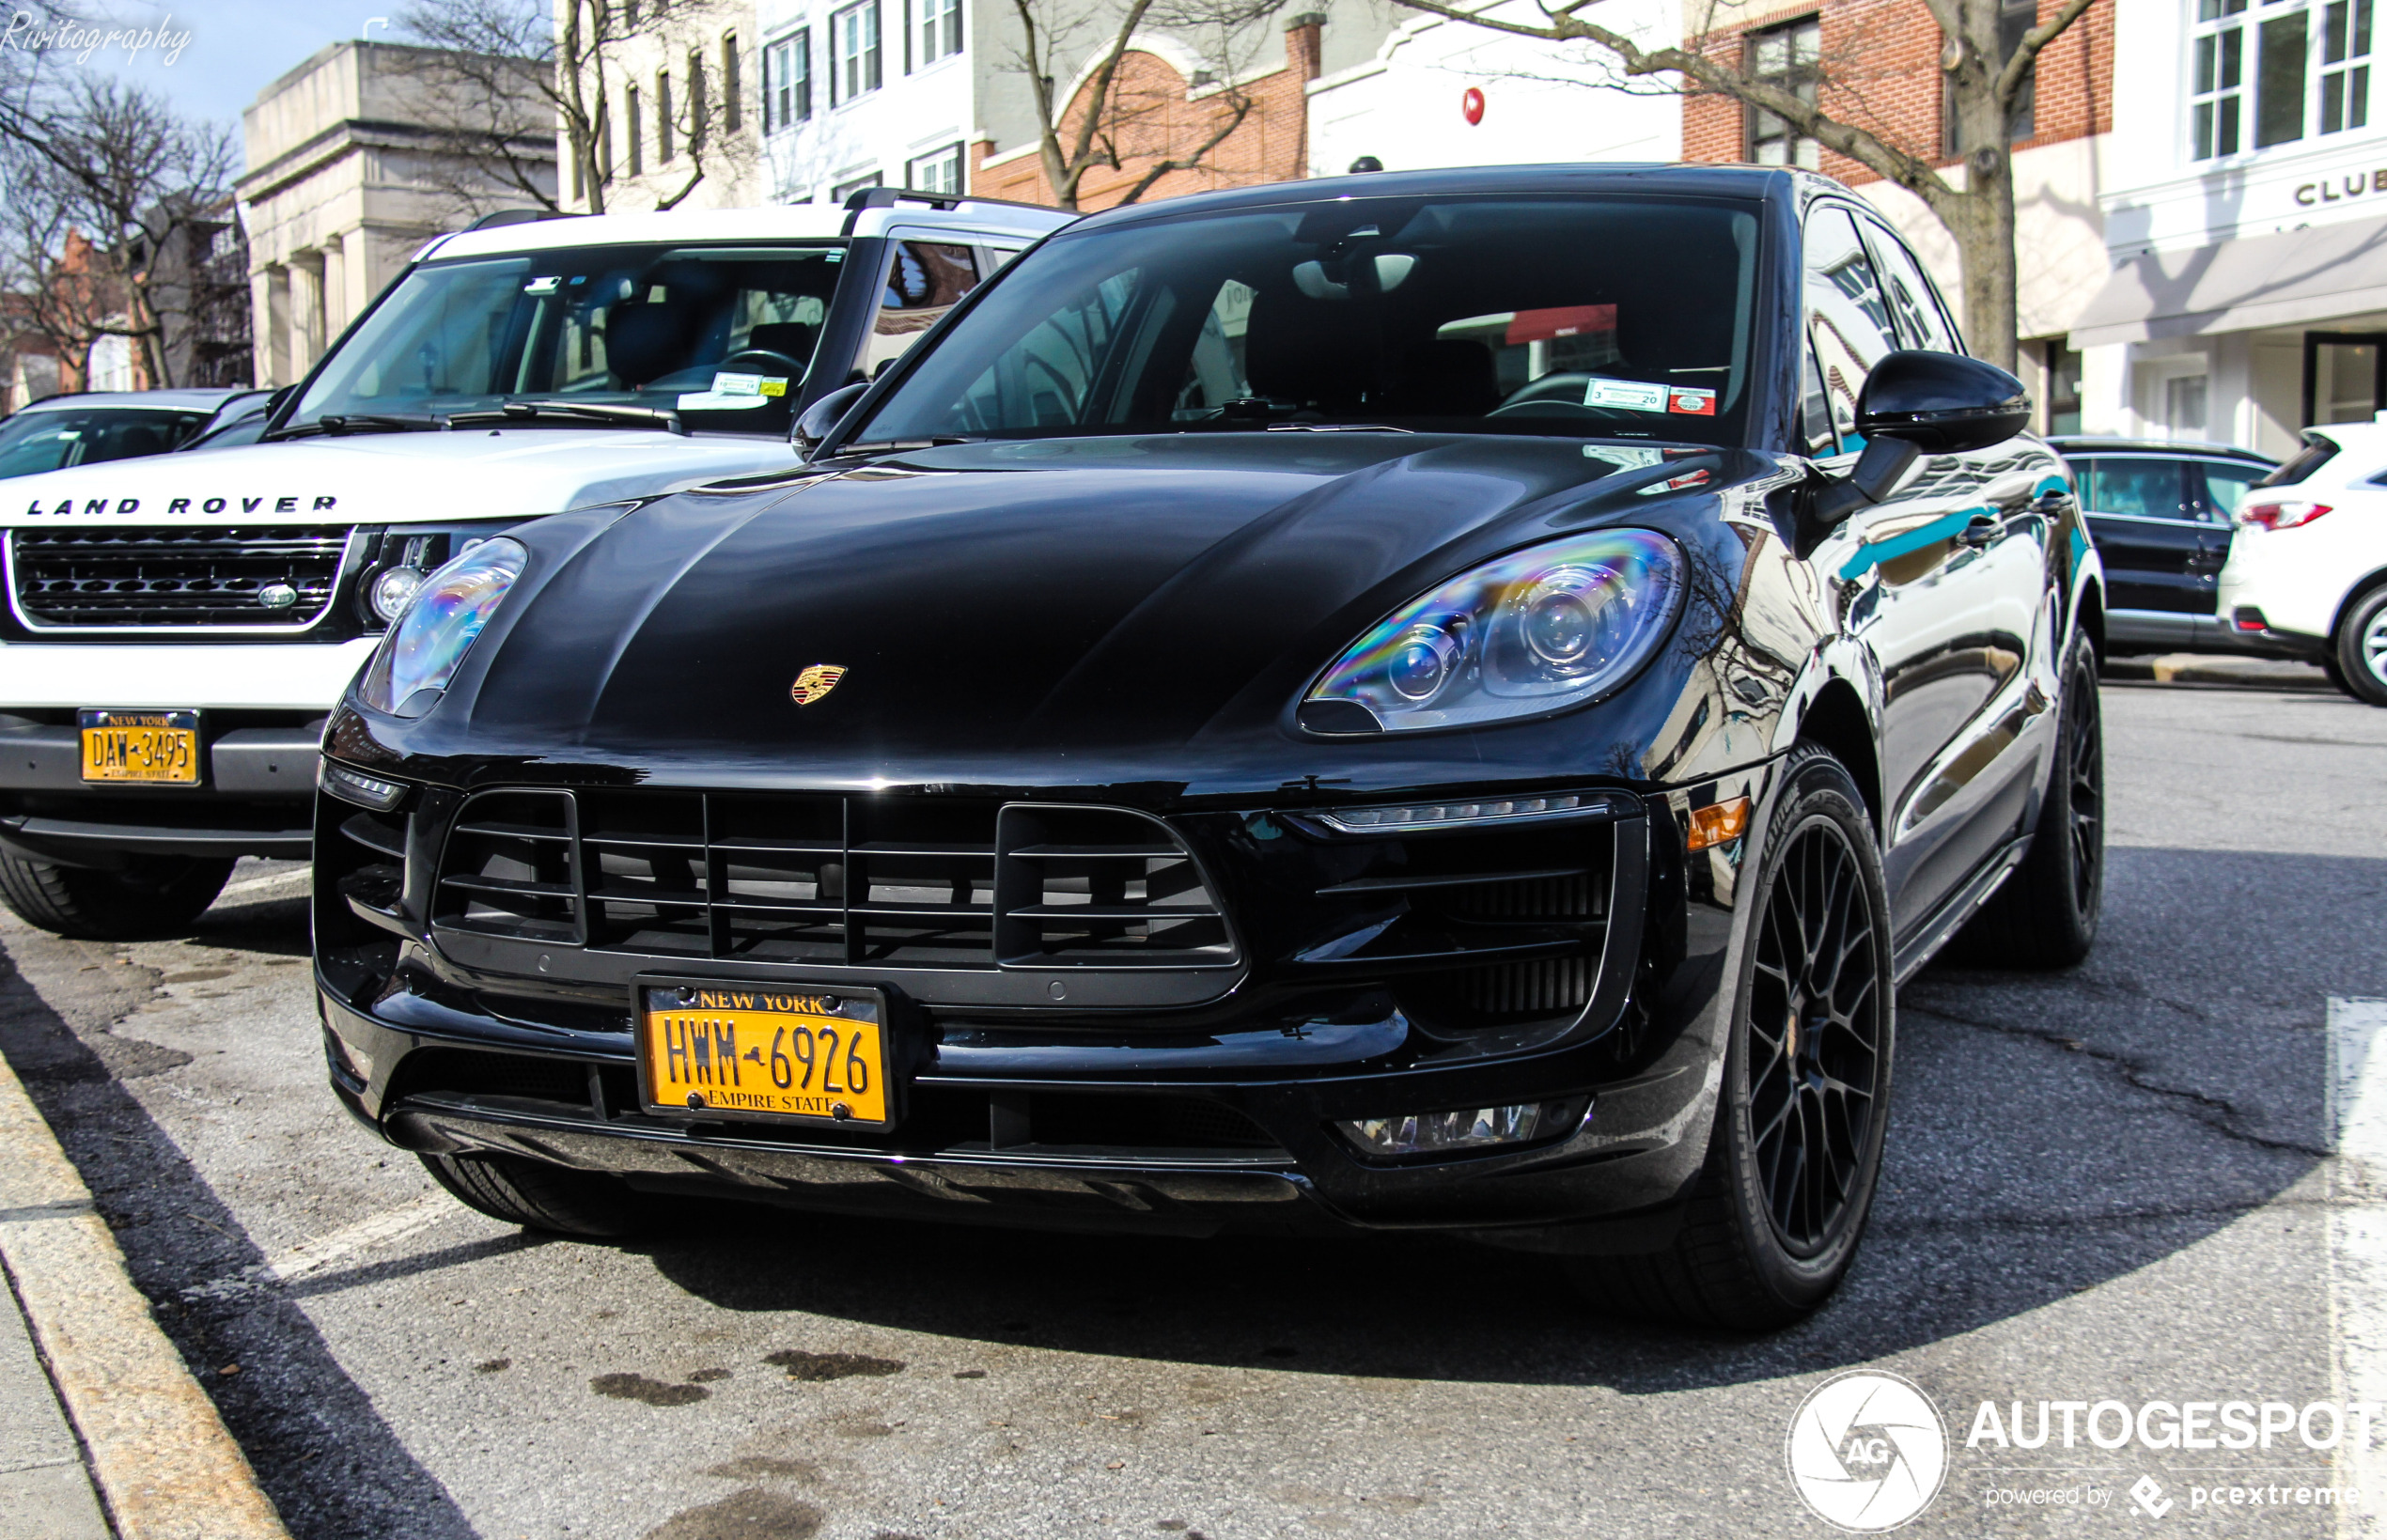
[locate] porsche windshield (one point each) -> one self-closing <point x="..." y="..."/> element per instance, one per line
<point x="721" y="335"/>
<point x="1585" y="316"/>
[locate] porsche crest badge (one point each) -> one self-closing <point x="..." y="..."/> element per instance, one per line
<point x="815" y="682"/>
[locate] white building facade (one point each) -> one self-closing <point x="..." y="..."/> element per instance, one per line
<point x="2246" y="217"/>
<point x="867" y="93"/>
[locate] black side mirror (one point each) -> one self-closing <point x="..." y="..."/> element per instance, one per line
<point x="1916" y="403"/>
<point x="819" y="420"/>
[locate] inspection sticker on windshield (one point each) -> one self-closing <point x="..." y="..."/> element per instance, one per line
<point x="1631" y="395"/>
<point x="748" y="384"/>
<point x="1691" y="400"/>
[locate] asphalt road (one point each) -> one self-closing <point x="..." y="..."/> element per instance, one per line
<point x="2111" y="1184"/>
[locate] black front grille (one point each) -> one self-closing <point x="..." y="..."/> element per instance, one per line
<point x="908" y="882"/>
<point x="199" y="576"/>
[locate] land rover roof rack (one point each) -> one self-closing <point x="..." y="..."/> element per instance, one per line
<point x="887" y="197"/>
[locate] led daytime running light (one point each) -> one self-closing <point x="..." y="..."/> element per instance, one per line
<point x="356" y="786"/>
<point x="1371" y="820"/>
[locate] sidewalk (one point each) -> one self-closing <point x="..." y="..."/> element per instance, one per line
<point x="45" y="1491"/>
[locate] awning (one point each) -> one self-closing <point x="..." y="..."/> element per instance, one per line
<point x="2238" y="286"/>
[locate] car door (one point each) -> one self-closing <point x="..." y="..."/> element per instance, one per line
<point x="2214" y="488"/>
<point x="1942" y="582"/>
<point x="2148" y="531"/>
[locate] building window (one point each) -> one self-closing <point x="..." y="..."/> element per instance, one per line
<point x="2062" y="390"/>
<point x="938" y="173"/>
<point x="733" y="105"/>
<point x="853" y="39"/>
<point x="699" y="109"/>
<point x="1784" y="57"/>
<point x="2217" y="87"/>
<point x="845" y="190"/>
<point x="636" y="137"/>
<point x="2344" y="65"/>
<point x="2282" y="43"/>
<point x="787" y="81"/>
<point x="939" y="29"/>
<point x="663" y="117"/>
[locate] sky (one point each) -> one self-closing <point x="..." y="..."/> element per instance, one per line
<point x="237" y="47"/>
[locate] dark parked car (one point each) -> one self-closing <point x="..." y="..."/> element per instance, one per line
<point x="1430" y="702"/>
<point x="90" y="428"/>
<point x="2161" y="516"/>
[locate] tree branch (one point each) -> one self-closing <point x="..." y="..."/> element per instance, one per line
<point x="2018" y="69"/>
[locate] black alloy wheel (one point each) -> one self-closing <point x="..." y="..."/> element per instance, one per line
<point x="2083" y="772"/>
<point x="2045" y="913"/>
<point x="1814" y="1066"/>
<point x="1794" y="1153"/>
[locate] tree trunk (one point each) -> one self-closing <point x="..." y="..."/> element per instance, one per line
<point x="1985" y="251"/>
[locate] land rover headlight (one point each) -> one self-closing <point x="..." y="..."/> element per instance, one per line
<point x="421" y="650"/>
<point x="1531" y="632"/>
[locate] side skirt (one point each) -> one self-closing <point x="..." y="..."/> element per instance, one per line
<point x="1945" y="921"/>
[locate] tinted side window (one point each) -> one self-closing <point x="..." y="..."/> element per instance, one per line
<point x="923" y="283"/>
<point x="1921" y="322"/>
<point x="2141" y="489"/>
<point x="2218" y="485"/>
<point x="1846" y="315"/>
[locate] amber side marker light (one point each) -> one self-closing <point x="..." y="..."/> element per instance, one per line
<point x="1717" y="823"/>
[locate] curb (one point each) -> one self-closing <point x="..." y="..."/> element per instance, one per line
<point x="2194" y="668"/>
<point x="165" y="1465"/>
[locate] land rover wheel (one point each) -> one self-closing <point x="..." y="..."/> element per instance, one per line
<point x="148" y="897"/>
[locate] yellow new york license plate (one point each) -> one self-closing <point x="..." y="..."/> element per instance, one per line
<point x="774" y="1054"/>
<point x="157" y="746"/>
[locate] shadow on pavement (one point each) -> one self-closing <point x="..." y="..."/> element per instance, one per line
<point x="2051" y="1133"/>
<point x="323" y="1455"/>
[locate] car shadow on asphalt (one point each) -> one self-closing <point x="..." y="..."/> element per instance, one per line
<point x="2051" y="1133"/>
<point x="331" y="1464"/>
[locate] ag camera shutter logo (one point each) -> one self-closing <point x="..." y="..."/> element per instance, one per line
<point x="1868" y="1450"/>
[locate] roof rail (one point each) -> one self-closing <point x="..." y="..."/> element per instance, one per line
<point x="887" y="197"/>
<point x="499" y="217"/>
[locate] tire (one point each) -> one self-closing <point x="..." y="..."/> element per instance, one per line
<point x="1775" y="1214"/>
<point x="149" y="896"/>
<point x="2044" y="915"/>
<point x="541" y="1197"/>
<point x="2362" y="650"/>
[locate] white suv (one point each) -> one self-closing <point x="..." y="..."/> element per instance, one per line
<point x="177" y="628"/>
<point x="2308" y="568"/>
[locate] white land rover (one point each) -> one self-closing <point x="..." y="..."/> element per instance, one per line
<point x="177" y="628"/>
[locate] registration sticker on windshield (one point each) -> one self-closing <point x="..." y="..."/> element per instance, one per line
<point x="725" y="383"/>
<point x="1691" y="400"/>
<point x="1631" y="395"/>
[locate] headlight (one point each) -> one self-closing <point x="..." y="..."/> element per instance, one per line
<point x="1533" y="632"/>
<point x="393" y="588"/>
<point x="421" y="650"/>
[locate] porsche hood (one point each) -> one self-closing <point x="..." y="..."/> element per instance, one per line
<point x="997" y="598"/>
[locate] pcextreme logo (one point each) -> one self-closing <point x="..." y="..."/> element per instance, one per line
<point x="1868" y="1450"/>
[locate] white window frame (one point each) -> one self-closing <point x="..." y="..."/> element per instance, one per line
<point x="857" y="52"/>
<point x="2340" y="42"/>
<point x="787" y="72"/>
<point x="940" y="41"/>
<point x="936" y="164"/>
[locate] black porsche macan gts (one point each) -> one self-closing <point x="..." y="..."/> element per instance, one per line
<point x="1421" y="702"/>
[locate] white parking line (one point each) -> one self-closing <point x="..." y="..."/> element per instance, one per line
<point x="2358" y="1239"/>
<point x="312" y="1256"/>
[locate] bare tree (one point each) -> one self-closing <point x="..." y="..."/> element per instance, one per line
<point x="503" y="79"/>
<point x="1121" y="115"/>
<point x="102" y="179"/>
<point x="1984" y="85"/>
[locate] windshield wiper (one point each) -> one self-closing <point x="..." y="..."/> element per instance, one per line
<point x="1336" y="427"/>
<point x="366" y="422"/>
<point x="891" y="446"/>
<point x="592" y="411"/>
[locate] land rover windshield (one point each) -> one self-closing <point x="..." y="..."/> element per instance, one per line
<point x="721" y="336"/>
<point x="1615" y="318"/>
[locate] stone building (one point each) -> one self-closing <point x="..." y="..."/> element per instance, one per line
<point x="355" y="159"/>
<point x="672" y="85"/>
